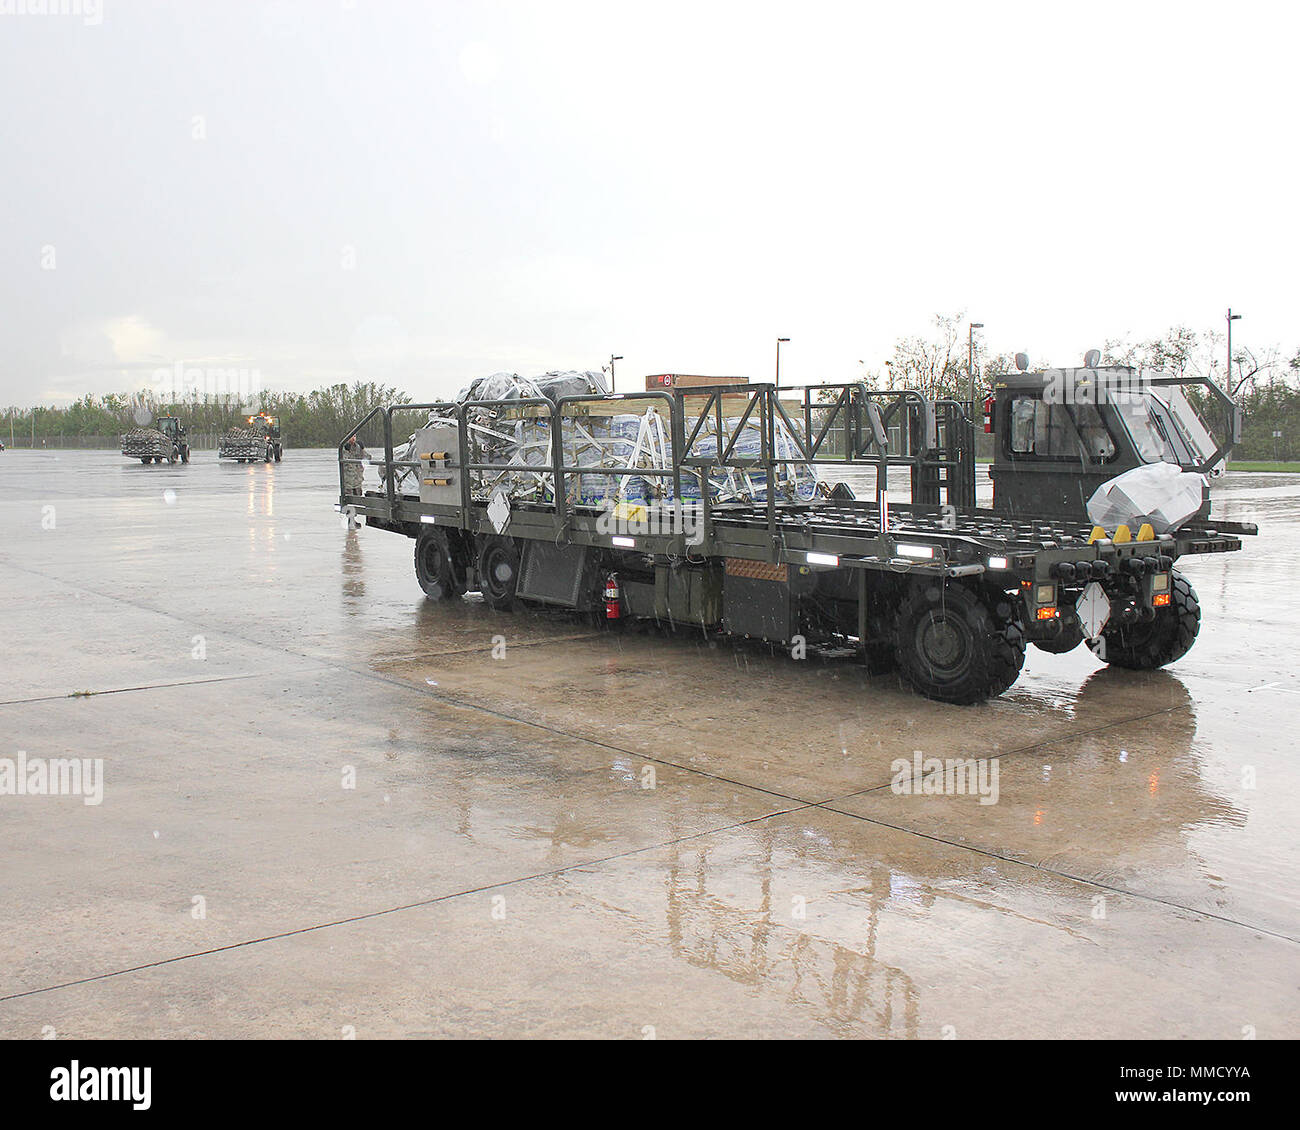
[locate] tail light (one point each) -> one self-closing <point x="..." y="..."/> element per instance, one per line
<point x="613" y="598"/>
<point x="988" y="415"/>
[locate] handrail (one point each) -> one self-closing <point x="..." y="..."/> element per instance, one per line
<point x="559" y="503"/>
<point x="344" y="459"/>
<point x="864" y="415"/>
<point x="650" y="394"/>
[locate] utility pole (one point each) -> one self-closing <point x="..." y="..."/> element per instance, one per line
<point x="970" y="361"/>
<point x="779" y="340"/>
<point x="1231" y="318"/>
<point x="612" y="359"/>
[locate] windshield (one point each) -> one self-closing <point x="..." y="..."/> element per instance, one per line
<point x="1185" y="423"/>
<point x="1165" y="428"/>
<point x="1148" y="437"/>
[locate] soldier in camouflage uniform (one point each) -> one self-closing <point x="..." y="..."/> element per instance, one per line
<point x="353" y="473"/>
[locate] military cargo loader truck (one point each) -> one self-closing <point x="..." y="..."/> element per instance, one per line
<point x="259" y="442"/>
<point x="715" y="507"/>
<point x="167" y="441"/>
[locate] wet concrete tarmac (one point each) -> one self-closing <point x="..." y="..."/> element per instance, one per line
<point x="328" y="809"/>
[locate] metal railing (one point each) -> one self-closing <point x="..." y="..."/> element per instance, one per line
<point x="851" y="427"/>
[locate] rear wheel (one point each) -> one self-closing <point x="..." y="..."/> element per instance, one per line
<point x="433" y="566"/>
<point x="279" y="453"/>
<point x="498" y="572"/>
<point x="1153" y="643"/>
<point x="185" y="454"/>
<point x="952" y="646"/>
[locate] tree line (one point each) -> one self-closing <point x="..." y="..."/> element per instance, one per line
<point x="313" y="419"/>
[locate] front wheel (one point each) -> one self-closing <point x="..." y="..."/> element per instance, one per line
<point x="1148" y="644"/>
<point x="954" y="647"/>
<point x="434" y="568"/>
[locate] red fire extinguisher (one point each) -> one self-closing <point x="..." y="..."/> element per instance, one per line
<point x="613" y="598"/>
<point x="988" y="415"/>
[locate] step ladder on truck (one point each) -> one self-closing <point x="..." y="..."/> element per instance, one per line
<point x="715" y="506"/>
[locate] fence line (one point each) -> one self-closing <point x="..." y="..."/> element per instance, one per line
<point x="198" y="441"/>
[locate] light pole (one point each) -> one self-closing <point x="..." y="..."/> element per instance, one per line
<point x="1231" y="318"/>
<point x="612" y="359"/>
<point x="779" y="340"/>
<point x="970" y="361"/>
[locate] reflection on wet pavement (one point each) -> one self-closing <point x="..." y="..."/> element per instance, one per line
<point x="684" y="835"/>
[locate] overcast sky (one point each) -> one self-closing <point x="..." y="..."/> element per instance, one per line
<point x="426" y="192"/>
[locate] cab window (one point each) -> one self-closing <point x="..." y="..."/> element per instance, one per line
<point x="1058" y="431"/>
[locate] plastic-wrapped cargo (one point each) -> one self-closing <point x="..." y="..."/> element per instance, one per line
<point x="516" y="439"/>
<point x="552" y="386"/>
<point x="1159" y="493"/>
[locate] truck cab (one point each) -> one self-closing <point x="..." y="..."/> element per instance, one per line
<point x="174" y="430"/>
<point x="269" y="428"/>
<point x="171" y="427"/>
<point x="1060" y="433"/>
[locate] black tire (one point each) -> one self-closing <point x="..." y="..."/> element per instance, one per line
<point x="279" y="453"/>
<point x="434" y="568"/>
<point x="146" y="459"/>
<point x="498" y="572"/>
<point x="955" y="646"/>
<point x="266" y="458"/>
<point x="185" y="454"/>
<point x="1148" y="644"/>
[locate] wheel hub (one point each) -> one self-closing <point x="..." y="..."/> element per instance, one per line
<point x="944" y="646"/>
